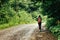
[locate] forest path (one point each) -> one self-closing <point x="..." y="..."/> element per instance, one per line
<point x="44" y="34"/>
<point x="26" y="32"/>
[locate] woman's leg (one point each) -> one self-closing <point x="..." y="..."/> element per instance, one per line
<point x="39" y="26"/>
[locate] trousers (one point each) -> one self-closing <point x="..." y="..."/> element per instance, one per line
<point x="39" y="24"/>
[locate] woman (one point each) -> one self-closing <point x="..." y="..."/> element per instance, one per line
<point x="39" y="22"/>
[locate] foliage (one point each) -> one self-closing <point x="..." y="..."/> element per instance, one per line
<point x="51" y="8"/>
<point x="51" y="22"/>
<point x="13" y="12"/>
<point x="55" y="30"/>
<point x="24" y="17"/>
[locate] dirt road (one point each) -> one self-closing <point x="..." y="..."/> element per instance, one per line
<point x="20" y="32"/>
<point x="23" y="32"/>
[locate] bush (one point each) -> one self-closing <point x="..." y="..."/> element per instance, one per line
<point x="55" y="30"/>
<point x="59" y="37"/>
<point x="10" y="18"/>
<point x="50" y="22"/>
<point x="25" y="17"/>
<point x="53" y="27"/>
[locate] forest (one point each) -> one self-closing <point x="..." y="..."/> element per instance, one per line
<point x="14" y="12"/>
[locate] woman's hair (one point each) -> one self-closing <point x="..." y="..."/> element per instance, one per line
<point x="39" y="16"/>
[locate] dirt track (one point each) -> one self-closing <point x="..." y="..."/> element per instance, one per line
<point x="25" y="32"/>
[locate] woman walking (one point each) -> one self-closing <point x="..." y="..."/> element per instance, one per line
<point x="39" y="22"/>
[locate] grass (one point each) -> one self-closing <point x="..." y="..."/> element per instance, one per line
<point x="8" y="25"/>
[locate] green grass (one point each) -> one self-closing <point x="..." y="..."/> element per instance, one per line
<point x="8" y="25"/>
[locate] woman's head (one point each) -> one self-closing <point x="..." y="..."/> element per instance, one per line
<point x="39" y="16"/>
